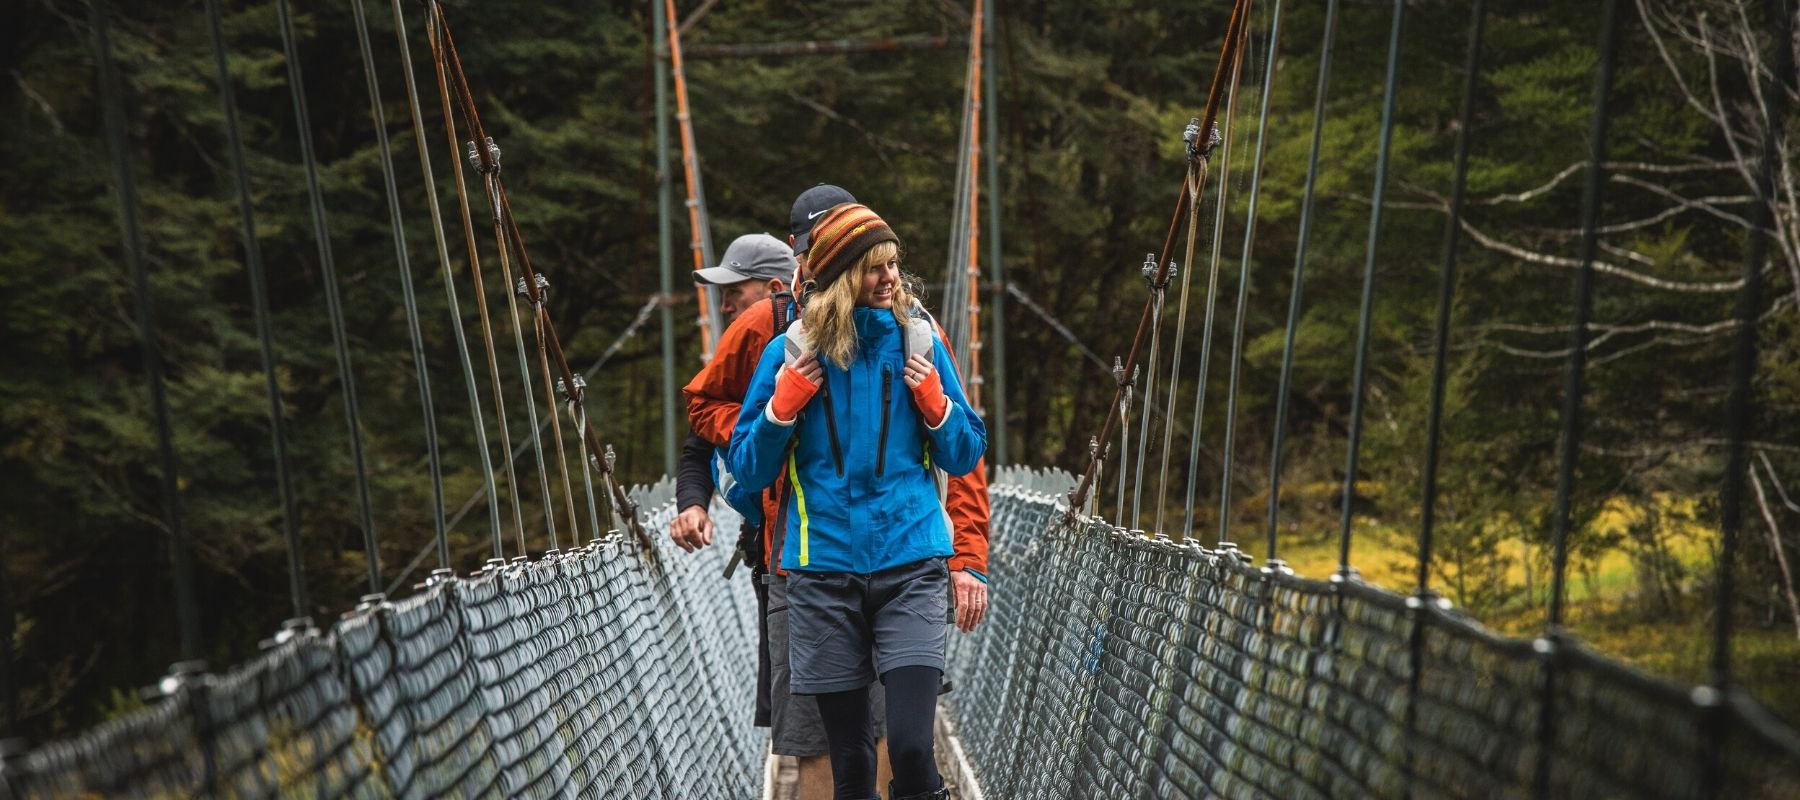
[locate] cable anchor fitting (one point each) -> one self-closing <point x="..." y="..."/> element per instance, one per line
<point x="1150" y="273"/>
<point x="491" y="163"/>
<point x="543" y="289"/>
<point x="1191" y="136"/>
<point x="580" y="388"/>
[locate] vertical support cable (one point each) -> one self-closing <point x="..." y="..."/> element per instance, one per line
<point x="334" y="305"/>
<point x="996" y="419"/>
<point x="420" y="373"/>
<point x="1220" y="202"/>
<point x="443" y="251"/>
<point x="1740" y="409"/>
<point x="1440" y="349"/>
<point x="699" y="226"/>
<point x="1243" y="295"/>
<point x="112" y="106"/>
<point x="1569" y="444"/>
<point x="1079" y="495"/>
<point x="1299" y="280"/>
<point x="1446" y="297"/>
<point x="1365" y="317"/>
<point x="972" y="261"/>
<point x="259" y="296"/>
<point x="510" y="455"/>
<point x="665" y="201"/>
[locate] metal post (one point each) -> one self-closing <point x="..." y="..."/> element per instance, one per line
<point x="665" y="201"/>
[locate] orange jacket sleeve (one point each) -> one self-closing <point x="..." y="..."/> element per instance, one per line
<point x="966" y="498"/>
<point x="717" y="391"/>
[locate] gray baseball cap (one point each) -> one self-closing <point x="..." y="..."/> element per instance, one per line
<point x="751" y="257"/>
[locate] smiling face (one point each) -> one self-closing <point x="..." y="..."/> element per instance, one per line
<point x="880" y="278"/>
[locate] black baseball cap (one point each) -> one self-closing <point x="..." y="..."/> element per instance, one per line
<point x="809" y="207"/>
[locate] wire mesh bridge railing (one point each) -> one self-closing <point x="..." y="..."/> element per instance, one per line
<point x="591" y="674"/>
<point x="1113" y="665"/>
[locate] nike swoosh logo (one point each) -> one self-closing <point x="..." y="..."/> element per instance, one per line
<point x="815" y="214"/>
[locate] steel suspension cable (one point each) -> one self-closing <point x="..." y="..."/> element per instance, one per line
<point x="996" y="419"/>
<point x="421" y="374"/>
<point x="1434" y="416"/>
<point x="1078" y="496"/>
<point x="533" y="288"/>
<point x="1243" y="289"/>
<point x="643" y="316"/>
<point x="510" y="455"/>
<point x="485" y="155"/>
<point x="334" y="305"/>
<point x="422" y="144"/>
<point x="1187" y="276"/>
<point x="1158" y="294"/>
<point x="112" y="109"/>
<point x="712" y="325"/>
<point x="971" y="365"/>
<point x="1570" y="439"/>
<point x="1220" y="202"/>
<point x="1446" y="297"/>
<point x="259" y="297"/>
<point x="1365" y="316"/>
<point x="540" y="316"/>
<point x="1740" y="407"/>
<point x="1298" y="283"/>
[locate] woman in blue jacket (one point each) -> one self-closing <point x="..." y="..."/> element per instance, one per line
<point x="856" y="404"/>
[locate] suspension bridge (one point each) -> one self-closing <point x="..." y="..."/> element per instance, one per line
<point x="603" y="667"/>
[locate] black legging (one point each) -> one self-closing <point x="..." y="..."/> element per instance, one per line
<point x="911" y="713"/>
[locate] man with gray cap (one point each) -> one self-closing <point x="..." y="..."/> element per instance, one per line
<point x="714" y="396"/>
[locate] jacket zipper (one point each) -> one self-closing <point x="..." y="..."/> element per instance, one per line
<point x="887" y="406"/>
<point x="837" y="450"/>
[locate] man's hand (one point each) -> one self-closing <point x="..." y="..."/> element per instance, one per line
<point x="692" y="529"/>
<point x="971" y="599"/>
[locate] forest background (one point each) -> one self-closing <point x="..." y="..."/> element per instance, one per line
<point x="1092" y="100"/>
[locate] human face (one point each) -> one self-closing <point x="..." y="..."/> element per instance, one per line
<point x="735" y="297"/>
<point x="877" y="290"/>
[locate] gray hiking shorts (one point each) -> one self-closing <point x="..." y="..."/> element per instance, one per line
<point x="848" y="629"/>
<point x="795" y="727"/>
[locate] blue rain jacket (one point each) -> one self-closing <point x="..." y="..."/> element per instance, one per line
<point x="862" y="497"/>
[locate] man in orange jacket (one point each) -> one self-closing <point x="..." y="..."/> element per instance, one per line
<point x="714" y="397"/>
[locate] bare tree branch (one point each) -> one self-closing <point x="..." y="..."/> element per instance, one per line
<point x="1787" y="575"/>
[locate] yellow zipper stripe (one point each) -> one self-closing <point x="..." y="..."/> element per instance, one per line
<point x="800" y="504"/>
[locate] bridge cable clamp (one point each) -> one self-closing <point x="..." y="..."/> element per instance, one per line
<point x="543" y="289"/>
<point x="290" y="630"/>
<point x="1191" y="136"/>
<point x="439" y="575"/>
<point x="579" y="390"/>
<point x="181" y="673"/>
<point x="1157" y="283"/>
<point x="491" y="163"/>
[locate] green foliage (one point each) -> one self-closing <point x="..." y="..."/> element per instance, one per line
<point x="1093" y="97"/>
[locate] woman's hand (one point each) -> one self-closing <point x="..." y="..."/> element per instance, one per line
<point x="971" y="599"/>
<point x="691" y="529"/>
<point x="927" y="390"/>
<point x="795" y="387"/>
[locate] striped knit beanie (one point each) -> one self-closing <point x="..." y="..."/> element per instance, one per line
<point x="840" y="238"/>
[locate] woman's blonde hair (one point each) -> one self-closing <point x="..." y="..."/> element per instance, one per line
<point x="830" y="313"/>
